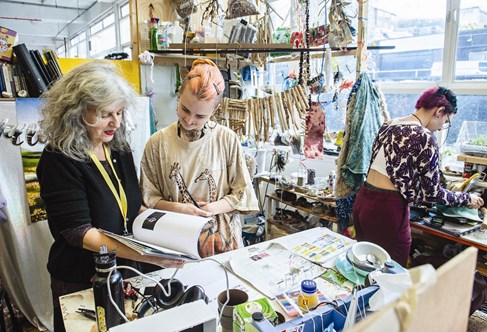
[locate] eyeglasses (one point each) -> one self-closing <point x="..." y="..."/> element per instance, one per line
<point x="447" y="123"/>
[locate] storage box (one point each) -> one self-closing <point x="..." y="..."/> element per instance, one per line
<point x="7" y="41"/>
<point x="194" y="315"/>
<point x="242" y="314"/>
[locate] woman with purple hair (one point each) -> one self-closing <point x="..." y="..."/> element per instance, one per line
<point x="404" y="169"/>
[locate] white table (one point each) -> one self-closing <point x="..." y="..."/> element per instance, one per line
<point x="208" y="274"/>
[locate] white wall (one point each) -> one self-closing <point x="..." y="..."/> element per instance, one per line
<point x="164" y="87"/>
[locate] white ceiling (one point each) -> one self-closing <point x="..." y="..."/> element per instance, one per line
<point x="40" y="23"/>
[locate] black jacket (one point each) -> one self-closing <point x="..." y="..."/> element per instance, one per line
<point x="75" y="194"/>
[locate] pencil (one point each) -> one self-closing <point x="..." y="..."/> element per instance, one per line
<point x="192" y="199"/>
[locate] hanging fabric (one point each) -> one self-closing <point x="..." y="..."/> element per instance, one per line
<point x="363" y="122"/>
<point x="315" y="128"/>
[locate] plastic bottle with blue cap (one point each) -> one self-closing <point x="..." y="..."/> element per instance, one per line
<point x="308" y="298"/>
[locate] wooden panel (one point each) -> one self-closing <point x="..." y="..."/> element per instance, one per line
<point x="472" y="159"/>
<point x="134" y="30"/>
<point x="163" y="10"/>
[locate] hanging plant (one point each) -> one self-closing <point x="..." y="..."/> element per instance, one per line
<point x="241" y="8"/>
<point x="185" y="8"/>
<point x="212" y="11"/>
<point x="341" y="31"/>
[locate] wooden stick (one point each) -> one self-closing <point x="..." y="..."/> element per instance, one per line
<point x="272" y="111"/>
<point x="300" y="107"/>
<point x="258" y="119"/>
<point x="278" y="102"/>
<point x="303" y="96"/>
<point x="287" y="109"/>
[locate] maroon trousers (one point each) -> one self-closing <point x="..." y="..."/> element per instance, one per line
<point x="382" y="217"/>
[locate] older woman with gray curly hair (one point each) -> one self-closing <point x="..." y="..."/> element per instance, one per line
<point x="87" y="175"/>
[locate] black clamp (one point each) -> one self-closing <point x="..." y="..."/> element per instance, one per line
<point x="32" y="134"/>
<point x="15" y="133"/>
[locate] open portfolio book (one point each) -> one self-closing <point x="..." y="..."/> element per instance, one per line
<point x="164" y="234"/>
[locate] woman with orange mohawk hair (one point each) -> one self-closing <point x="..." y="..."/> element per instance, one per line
<point x="196" y="166"/>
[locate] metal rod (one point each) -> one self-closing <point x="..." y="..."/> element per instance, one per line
<point x="266" y="50"/>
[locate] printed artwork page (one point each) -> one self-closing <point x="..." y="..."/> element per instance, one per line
<point x="170" y="230"/>
<point x="319" y="245"/>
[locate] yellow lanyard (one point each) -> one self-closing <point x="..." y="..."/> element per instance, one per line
<point x="120" y="196"/>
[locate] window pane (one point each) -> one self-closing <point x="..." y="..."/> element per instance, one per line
<point x="82" y="36"/>
<point x="124" y="10"/>
<point x="102" y="41"/>
<point x="417" y="35"/>
<point x="470" y="108"/>
<point x="82" y="50"/>
<point x="125" y="31"/>
<point x="471" y="61"/>
<point x="60" y="52"/>
<point x="95" y="28"/>
<point x="73" y="41"/>
<point x="108" y="20"/>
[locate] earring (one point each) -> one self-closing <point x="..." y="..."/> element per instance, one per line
<point x="214" y="120"/>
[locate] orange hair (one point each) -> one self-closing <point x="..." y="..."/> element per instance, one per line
<point x="204" y="80"/>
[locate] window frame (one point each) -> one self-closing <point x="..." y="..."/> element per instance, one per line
<point x="115" y="9"/>
<point x="448" y="68"/>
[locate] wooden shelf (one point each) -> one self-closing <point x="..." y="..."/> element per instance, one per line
<point x="226" y="46"/>
<point x="171" y="59"/>
<point x="248" y="48"/>
<point x="482" y="268"/>
<point x="328" y="202"/>
<point x="303" y="209"/>
<point x="472" y="159"/>
<point x="283" y="227"/>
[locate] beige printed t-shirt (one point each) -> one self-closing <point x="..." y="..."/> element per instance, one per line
<point x="210" y="168"/>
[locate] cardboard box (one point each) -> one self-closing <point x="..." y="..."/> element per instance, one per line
<point x="197" y="315"/>
<point x="7" y="41"/>
<point x="242" y="314"/>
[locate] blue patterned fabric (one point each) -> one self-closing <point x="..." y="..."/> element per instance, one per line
<point x="344" y="207"/>
<point x="365" y="121"/>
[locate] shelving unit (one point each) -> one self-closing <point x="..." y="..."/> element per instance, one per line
<point x="289" y="228"/>
<point x="472" y="159"/>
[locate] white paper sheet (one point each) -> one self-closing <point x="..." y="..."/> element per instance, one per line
<point x="275" y="269"/>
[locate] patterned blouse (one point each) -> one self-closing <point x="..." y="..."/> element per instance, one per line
<point x="411" y="153"/>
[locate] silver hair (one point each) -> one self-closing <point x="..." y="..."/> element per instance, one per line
<point x="92" y="85"/>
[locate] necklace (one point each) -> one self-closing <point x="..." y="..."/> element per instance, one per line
<point x="417" y="118"/>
